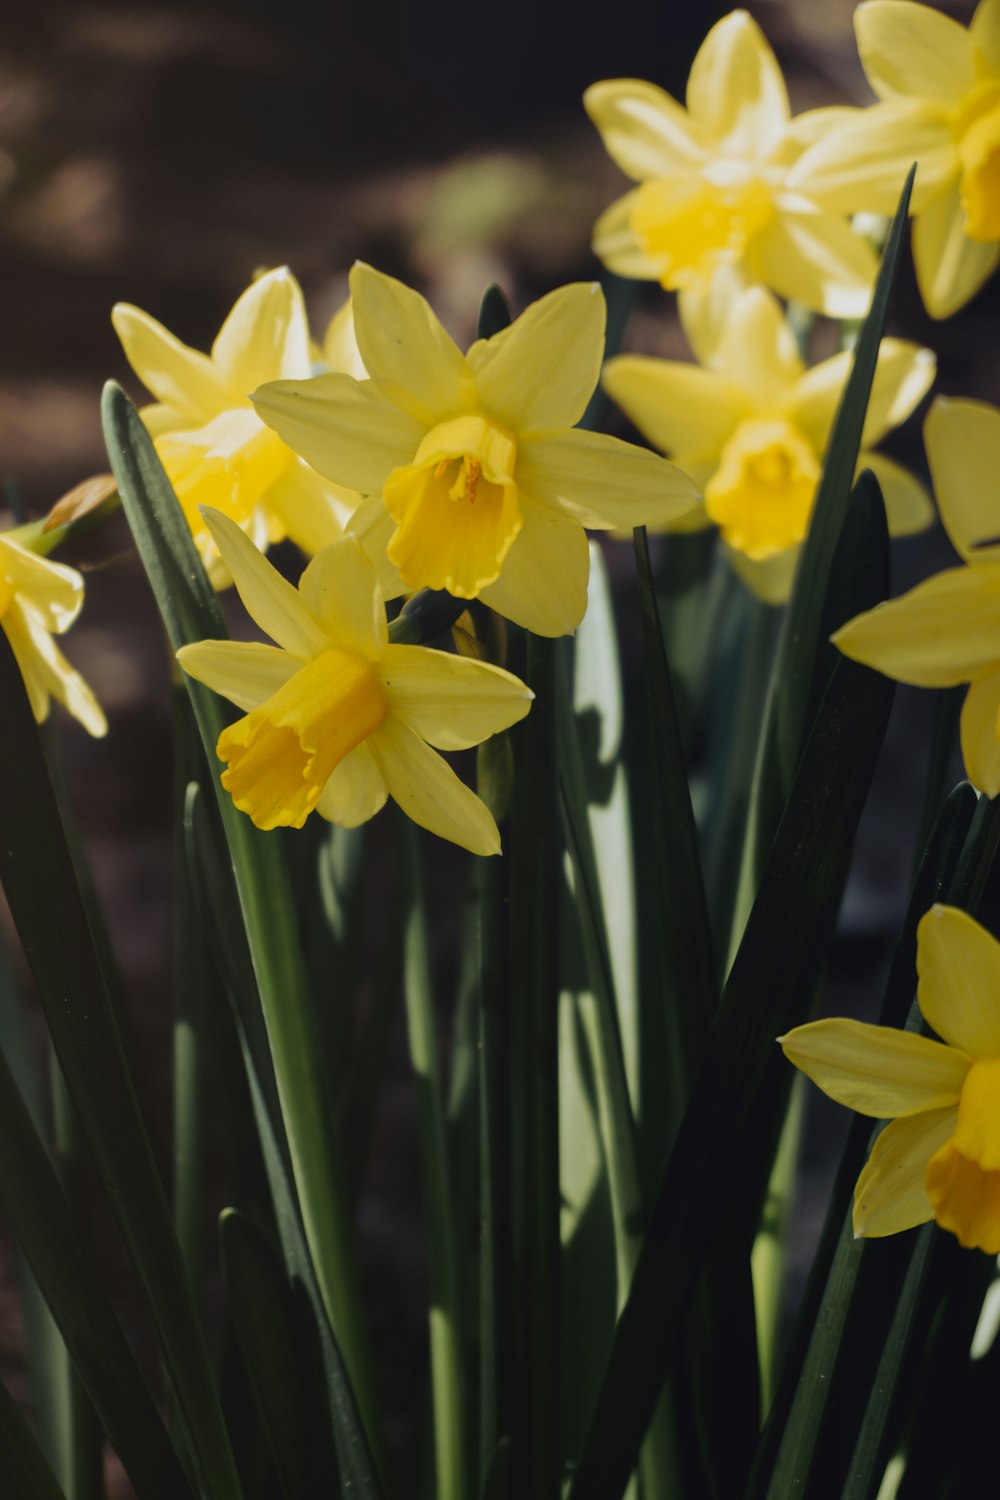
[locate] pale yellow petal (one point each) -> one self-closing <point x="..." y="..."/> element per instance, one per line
<point x="355" y="792"/>
<point x="53" y="590"/>
<point x="158" y="419"/>
<point x="875" y="1069"/>
<point x="962" y="438"/>
<point x="427" y="789"/>
<point x="277" y="607"/>
<point x="374" y="528"/>
<point x="758" y="351"/>
<point x="452" y="702"/>
<point x="735" y="93"/>
<point x="914" y="51"/>
<point x="813" y="126"/>
<point x="890" y="1195"/>
<point x="340" y="344"/>
<point x="344" y="428"/>
<point x="958" y="967"/>
<point x="814" y="257"/>
<point x="904" y="374"/>
<point x="769" y="578"/>
<point x="46" y="671"/>
<point x="414" y="362"/>
<point x="541" y="371"/>
<point x="645" y="131"/>
<point x="266" y="336"/>
<point x="543" y="586"/>
<point x="340" y="588"/>
<point x="863" y="164"/>
<point x="950" y="267"/>
<point x="908" y="506"/>
<point x="705" y="313"/>
<point x="943" y="632"/>
<point x="984" y="30"/>
<point x="309" y="509"/>
<point x="180" y="377"/>
<point x="603" y="482"/>
<point x="245" y="672"/>
<point x="678" y="407"/>
<point x="615" y="244"/>
<point x="979" y="733"/>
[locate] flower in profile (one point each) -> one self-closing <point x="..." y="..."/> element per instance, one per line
<point x="750" y="424"/>
<point x="337" y="718"/>
<point x="939" y="1157"/>
<point x="40" y="599"/>
<point x="714" y="181"/>
<point x="947" y="630"/>
<point x="212" y="444"/>
<point x="939" y="87"/>
<point x="476" y="480"/>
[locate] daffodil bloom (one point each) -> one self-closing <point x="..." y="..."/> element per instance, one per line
<point x="337" y="719"/>
<point x="939" y="87"/>
<point x="714" y="181"/>
<point x="212" y="444"/>
<point x="939" y="1157"/>
<point x="40" y="599"/>
<point x="476" y="480"/>
<point x="947" y="630"/>
<point x="750" y="424"/>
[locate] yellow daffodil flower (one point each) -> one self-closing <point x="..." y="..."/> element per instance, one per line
<point x="477" y="481"/>
<point x="337" y="719"/>
<point x="939" y="83"/>
<point x="947" y="629"/>
<point x="939" y="1157"/>
<point x="40" y="599"/>
<point x="750" y="424"/>
<point x="714" y="185"/>
<point x="214" y="447"/>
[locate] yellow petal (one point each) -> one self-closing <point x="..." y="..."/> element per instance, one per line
<point x="769" y="578"/>
<point x="958" y="966"/>
<point x="340" y="588"/>
<point x="340" y="344"/>
<point x="950" y="267"/>
<point x="908" y="506"/>
<point x="415" y="364"/>
<point x="814" y="257"/>
<point x="374" y="528"/>
<point x="757" y="349"/>
<point x="427" y="789"/>
<point x="54" y="591"/>
<point x="984" y="30"/>
<point x="178" y="376"/>
<point x="603" y="482"/>
<point x="963" y="449"/>
<point x="344" y="428"/>
<point x="705" y="312"/>
<point x="277" y="607"/>
<point x="452" y="702"/>
<point x="616" y="245"/>
<point x="810" y="128"/>
<point x="864" y="164"/>
<point x="309" y="509"/>
<point x="735" y="93"/>
<point x="245" y="672"/>
<point x="678" y="407"/>
<point x="47" y="672"/>
<point x="645" y="131"/>
<point x="980" y="727"/>
<point x="451" y="533"/>
<point x="875" y="1069"/>
<point x="891" y="1195"/>
<point x="904" y="374"/>
<point x="355" y="792"/>
<point x="943" y="632"/>
<point x="913" y="51"/>
<point x="543" y="586"/>
<point x="266" y="336"/>
<point x="542" y="370"/>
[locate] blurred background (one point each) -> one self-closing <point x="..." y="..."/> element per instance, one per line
<point x="160" y="154"/>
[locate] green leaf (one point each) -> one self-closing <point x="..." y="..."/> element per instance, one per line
<point x="24" y="1473"/>
<point x="718" y="1168"/>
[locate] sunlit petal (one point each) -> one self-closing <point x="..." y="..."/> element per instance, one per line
<point x="950" y="267"/>
<point x="645" y="131"/>
<point x="543" y="586"/>
<point x="451" y="701"/>
<point x="355" y="792"/>
<point x="339" y="587"/>
<point x="616" y="245"/>
<point x="914" y="51"/>
<point x="890" y="1194"/>
<point x="735" y="90"/>
<point x="958" y="964"/>
<point x="815" y="258"/>
<point x="271" y="600"/>
<point x="943" y="632"/>
<point x="541" y="371"/>
<point x="266" y="336"/>
<point x="603" y="482"/>
<point x="875" y="1069"/>
<point x="680" y="408"/>
<point x="245" y="672"/>
<point x="864" y="163"/>
<point x="908" y="506"/>
<point x="345" y="428"/>
<point x="178" y="376"/>
<point x="414" y="362"/>
<point x="962" y="438"/>
<point x="428" y="790"/>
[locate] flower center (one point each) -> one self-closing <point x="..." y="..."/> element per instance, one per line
<point x="227" y="464"/>
<point x="963" y="1178"/>
<point x="456" y="507"/>
<point x="761" y="495"/>
<point x="977" y="129"/>
<point x="691" y="226"/>
<point x="281" y="755"/>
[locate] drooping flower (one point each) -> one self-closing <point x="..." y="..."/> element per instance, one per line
<point x="939" y="1157"/>
<point x="714" y="181"/>
<point x="939" y="87"/>
<point x="750" y="424"/>
<point x="477" y="481"/>
<point x="38" y="600"/>
<point x="337" y="719"/>
<point x="947" y="630"/>
<point x="214" y="447"/>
